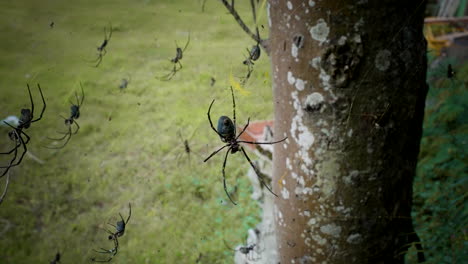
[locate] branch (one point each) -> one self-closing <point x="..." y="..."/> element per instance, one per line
<point x="232" y="10"/>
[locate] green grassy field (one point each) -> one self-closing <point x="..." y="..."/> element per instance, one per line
<point x="128" y="148"/>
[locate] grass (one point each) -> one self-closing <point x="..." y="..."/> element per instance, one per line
<point x="128" y="148"/>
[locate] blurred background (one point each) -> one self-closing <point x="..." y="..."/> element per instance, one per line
<point x="130" y="146"/>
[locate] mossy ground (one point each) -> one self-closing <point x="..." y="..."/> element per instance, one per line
<point x="128" y="148"/>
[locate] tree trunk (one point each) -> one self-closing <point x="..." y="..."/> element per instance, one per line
<point x="349" y="91"/>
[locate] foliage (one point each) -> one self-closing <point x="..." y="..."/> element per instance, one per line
<point x="441" y="186"/>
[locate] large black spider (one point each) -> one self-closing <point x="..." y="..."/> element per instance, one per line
<point x="102" y="48"/>
<point x="119" y="231"/>
<point x="176" y="61"/>
<point x="17" y="135"/>
<point x="74" y="114"/>
<point x="227" y="132"/>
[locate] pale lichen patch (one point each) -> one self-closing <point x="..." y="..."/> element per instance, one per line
<point x="331" y="229"/>
<point x="285" y="193"/>
<point x="320" y="31"/>
<point x="294" y="51"/>
<point x="315" y="62"/>
<point x="311" y="3"/>
<point x="300" y="84"/>
<point x="291" y="79"/>
<point x="314" y="101"/>
<point x="354" y="239"/>
<point x="289" y="4"/>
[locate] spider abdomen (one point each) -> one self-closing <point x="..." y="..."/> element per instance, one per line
<point x="25" y="118"/>
<point x="75" y="111"/>
<point x="255" y="53"/>
<point x="226" y="129"/>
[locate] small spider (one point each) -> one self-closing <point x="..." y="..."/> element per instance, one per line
<point x="56" y="259"/>
<point x="176" y="61"/>
<point x="247" y="250"/>
<point x="120" y="225"/>
<point x="74" y="114"/>
<point x="102" y="49"/>
<point x="450" y="72"/>
<point x="124" y="83"/>
<point x="17" y="135"/>
<point x="253" y="55"/>
<point x="112" y="252"/>
<point x="114" y="236"/>
<point x="186" y="145"/>
<point x="227" y="132"/>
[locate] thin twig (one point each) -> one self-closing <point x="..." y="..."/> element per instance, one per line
<point x="244" y="27"/>
<point x="254" y="14"/>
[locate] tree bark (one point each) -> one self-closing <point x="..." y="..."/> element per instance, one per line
<point x="349" y="92"/>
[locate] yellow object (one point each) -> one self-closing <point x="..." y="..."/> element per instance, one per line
<point x="237" y="86"/>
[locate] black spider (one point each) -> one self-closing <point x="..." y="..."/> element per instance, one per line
<point x="450" y="72"/>
<point x="120" y="225"/>
<point x="255" y="52"/>
<point x="124" y="83"/>
<point x="114" y="236"/>
<point x="247" y="250"/>
<point x="18" y="135"/>
<point x="227" y="132"/>
<point x="74" y="114"/>
<point x="176" y="61"/>
<point x="102" y="49"/>
<point x="186" y="145"/>
<point x="56" y="259"/>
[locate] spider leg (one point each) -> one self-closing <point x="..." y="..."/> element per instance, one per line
<point x="20" y="138"/>
<point x="233" y="107"/>
<point x="168" y="76"/>
<point x="129" y="213"/>
<point x="224" y="176"/>
<point x="186" y="44"/>
<point x="243" y="130"/>
<point x="18" y="132"/>
<point x="67" y="135"/>
<point x="18" y="144"/>
<point x="82" y="95"/>
<point x="256" y="171"/>
<point x="98" y="60"/>
<point x="31" y="99"/>
<point x="77" y="127"/>
<point x="214" y="153"/>
<point x="211" y="123"/>
<point x="262" y="143"/>
<point x="43" y="101"/>
<point x="110" y="32"/>
<point x="6" y="188"/>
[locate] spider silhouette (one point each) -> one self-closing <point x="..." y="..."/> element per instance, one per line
<point x="17" y="135"/>
<point x="176" y="61"/>
<point x="74" y="114"/>
<point x="120" y="225"/>
<point x="119" y="231"/>
<point x="102" y="48"/>
<point x="227" y="132"/>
